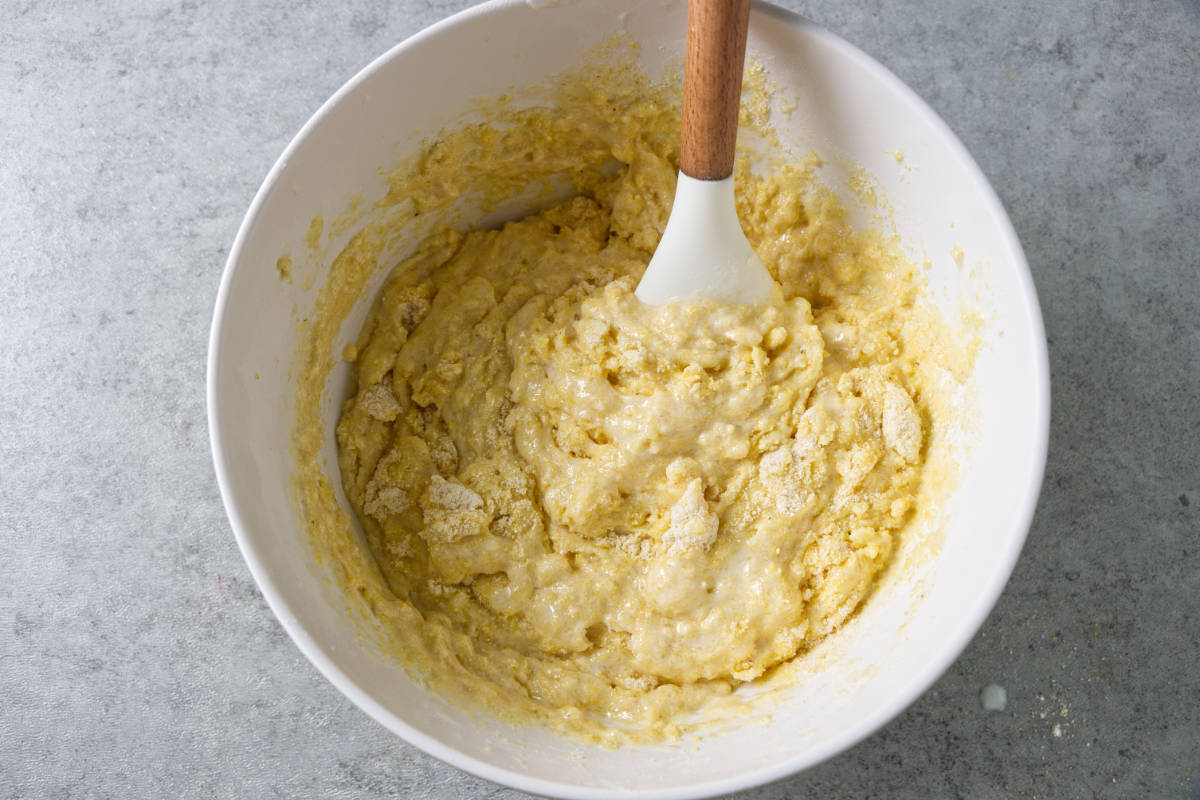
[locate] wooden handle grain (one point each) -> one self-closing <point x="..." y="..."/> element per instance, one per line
<point x="712" y="86"/>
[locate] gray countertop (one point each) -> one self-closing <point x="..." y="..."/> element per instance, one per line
<point x="137" y="658"/>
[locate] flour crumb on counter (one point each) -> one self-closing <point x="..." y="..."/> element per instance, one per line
<point x="993" y="698"/>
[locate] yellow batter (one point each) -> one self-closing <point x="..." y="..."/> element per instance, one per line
<point x="596" y="513"/>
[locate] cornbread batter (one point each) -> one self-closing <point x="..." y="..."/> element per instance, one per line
<point x="591" y="511"/>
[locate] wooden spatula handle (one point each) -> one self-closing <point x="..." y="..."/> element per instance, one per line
<point x="712" y="86"/>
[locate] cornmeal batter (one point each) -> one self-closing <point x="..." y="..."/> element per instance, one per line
<point x="604" y="514"/>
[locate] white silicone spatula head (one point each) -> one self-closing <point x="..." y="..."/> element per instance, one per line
<point x="703" y="253"/>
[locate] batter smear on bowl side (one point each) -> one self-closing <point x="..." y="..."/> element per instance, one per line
<point x="598" y="513"/>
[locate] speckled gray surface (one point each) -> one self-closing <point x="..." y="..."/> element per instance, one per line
<point x="137" y="659"/>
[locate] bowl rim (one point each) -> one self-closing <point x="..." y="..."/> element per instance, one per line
<point x="917" y="685"/>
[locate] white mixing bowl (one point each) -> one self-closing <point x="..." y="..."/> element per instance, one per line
<point x="848" y="108"/>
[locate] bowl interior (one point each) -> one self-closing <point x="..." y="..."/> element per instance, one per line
<point x="847" y="108"/>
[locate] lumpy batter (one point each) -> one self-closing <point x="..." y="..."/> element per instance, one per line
<point x="609" y="514"/>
